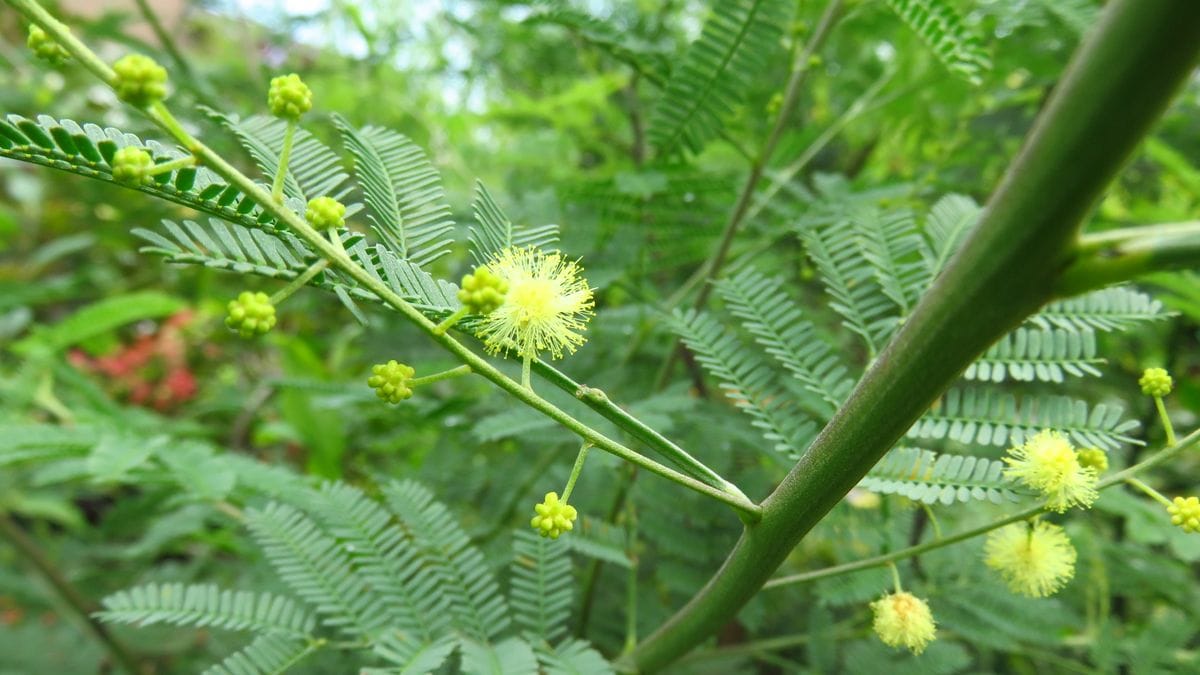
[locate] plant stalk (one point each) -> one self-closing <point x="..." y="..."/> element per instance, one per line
<point x="1118" y="83"/>
<point x="83" y="607"/>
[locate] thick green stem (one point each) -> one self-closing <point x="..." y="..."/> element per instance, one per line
<point x="1117" y="255"/>
<point x="1117" y="85"/>
<point x="337" y="256"/>
<point x="29" y="550"/>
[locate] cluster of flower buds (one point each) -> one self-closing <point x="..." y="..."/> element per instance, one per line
<point x="250" y="314"/>
<point x="140" y="81"/>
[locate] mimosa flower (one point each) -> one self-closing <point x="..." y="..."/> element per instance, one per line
<point x="1047" y="463"/>
<point x="1034" y="560"/>
<point x="547" y="306"/>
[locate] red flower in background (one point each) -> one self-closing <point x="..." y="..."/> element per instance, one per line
<point x="150" y="371"/>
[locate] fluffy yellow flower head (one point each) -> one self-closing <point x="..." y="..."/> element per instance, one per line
<point x="1047" y="463"/>
<point x="1034" y="560"/>
<point x="904" y="620"/>
<point x="547" y="306"/>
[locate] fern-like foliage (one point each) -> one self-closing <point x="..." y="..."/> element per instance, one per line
<point x="461" y="571"/>
<point x="950" y="218"/>
<point x="945" y="33"/>
<point x="281" y="255"/>
<point x="735" y="44"/>
<point x="385" y="561"/>
<point x="314" y="170"/>
<point x="266" y="655"/>
<point x="837" y="251"/>
<point x="778" y="324"/>
<point x="208" y="606"/>
<point x="1048" y="355"/>
<point x="1115" y="308"/>
<point x="747" y="381"/>
<point x="929" y="477"/>
<point x="542" y="587"/>
<point x="88" y="151"/>
<point x="403" y="190"/>
<point x="398" y="579"/>
<point x="315" y="567"/>
<point x="990" y="417"/>
<point x="891" y="245"/>
<point x="493" y="231"/>
<point x="643" y="58"/>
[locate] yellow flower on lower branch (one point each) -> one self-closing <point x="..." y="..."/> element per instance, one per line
<point x="904" y="620"/>
<point x="553" y="517"/>
<point x="1185" y="513"/>
<point x="1034" y="559"/>
<point x="1047" y="463"/>
<point x="547" y="306"/>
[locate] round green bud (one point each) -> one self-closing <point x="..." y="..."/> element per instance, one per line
<point x="1156" y="382"/>
<point x="1093" y="458"/>
<point x="289" y="97"/>
<point x="44" y="47"/>
<point x="325" y="213"/>
<point x="132" y="165"/>
<point x="140" y="80"/>
<point x="1185" y="513"/>
<point x="553" y="517"/>
<point x="391" y="381"/>
<point x="250" y="314"/>
<point x="482" y="291"/>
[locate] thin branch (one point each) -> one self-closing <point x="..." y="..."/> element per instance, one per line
<point x="82" y="606"/>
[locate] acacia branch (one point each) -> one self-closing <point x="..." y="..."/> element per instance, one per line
<point x="1118" y="83"/>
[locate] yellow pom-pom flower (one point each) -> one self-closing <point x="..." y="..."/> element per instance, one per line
<point x="1185" y="513"/>
<point x="553" y="517"/>
<point x="1156" y="382"/>
<point x="904" y="620"/>
<point x="547" y="306"/>
<point x="1034" y="560"/>
<point x="1047" y="463"/>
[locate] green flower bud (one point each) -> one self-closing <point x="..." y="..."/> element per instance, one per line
<point x="391" y="381"/>
<point x="140" y="80"/>
<point x="1093" y="458"/>
<point x="482" y="291"/>
<point x="289" y="97"/>
<point x="325" y="213"/>
<point x="250" y="314"/>
<point x="44" y="47"/>
<point x="553" y="516"/>
<point x="1156" y="382"/>
<point x="1185" y="513"/>
<point x="132" y="165"/>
